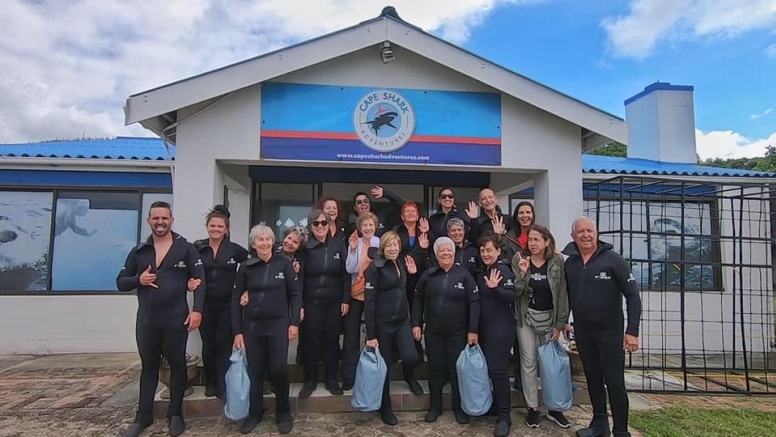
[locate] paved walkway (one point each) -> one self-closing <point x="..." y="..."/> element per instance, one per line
<point x="96" y="395"/>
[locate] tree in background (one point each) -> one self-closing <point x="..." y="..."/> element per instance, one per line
<point x="611" y="149"/>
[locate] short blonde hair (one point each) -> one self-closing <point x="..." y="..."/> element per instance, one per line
<point x="388" y="237"/>
<point x="364" y="216"/>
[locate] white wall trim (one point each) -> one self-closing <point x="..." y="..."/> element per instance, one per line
<point x="85" y="164"/>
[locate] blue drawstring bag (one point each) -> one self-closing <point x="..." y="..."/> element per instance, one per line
<point x="238" y="387"/>
<point x="555" y="368"/>
<point x="473" y="381"/>
<point x="370" y="377"/>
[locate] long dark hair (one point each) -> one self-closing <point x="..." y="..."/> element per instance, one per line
<point x="514" y="215"/>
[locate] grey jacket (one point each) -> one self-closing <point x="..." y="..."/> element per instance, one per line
<point x="556" y="276"/>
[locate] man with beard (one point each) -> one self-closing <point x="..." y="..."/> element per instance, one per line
<point x="597" y="279"/>
<point x="159" y="270"/>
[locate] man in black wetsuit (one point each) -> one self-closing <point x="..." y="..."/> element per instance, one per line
<point x="159" y="270"/>
<point x="598" y="278"/>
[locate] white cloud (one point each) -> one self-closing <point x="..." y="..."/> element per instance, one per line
<point x="729" y="144"/>
<point x="761" y="114"/>
<point x="650" y="22"/>
<point x="69" y="66"/>
<point x="770" y="51"/>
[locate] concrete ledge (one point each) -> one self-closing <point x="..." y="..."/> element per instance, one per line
<point x="321" y="401"/>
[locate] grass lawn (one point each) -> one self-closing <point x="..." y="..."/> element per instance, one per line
<point x="698" y="422"/>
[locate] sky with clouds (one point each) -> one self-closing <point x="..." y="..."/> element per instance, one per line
<point x="68" y="66"/>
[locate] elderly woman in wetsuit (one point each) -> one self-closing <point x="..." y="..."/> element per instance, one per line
<point x="266" y="325"/>
<point x="449" y="298"/>
<point x="387" y="311"/>
<point x="497" y="324"/>
<point x="220" y="258"/>
<point x="325" y="301"/>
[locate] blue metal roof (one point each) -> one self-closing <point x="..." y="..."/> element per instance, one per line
<point x="635" y="166"/>
<point x="134" y="148"/>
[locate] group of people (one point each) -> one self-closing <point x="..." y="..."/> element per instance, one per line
<point x="458" y="277"/>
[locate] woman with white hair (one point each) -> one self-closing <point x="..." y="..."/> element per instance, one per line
<point x="266" y="325"/>
<point x="449" y="296"/>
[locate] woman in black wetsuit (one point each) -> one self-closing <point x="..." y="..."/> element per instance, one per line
<point x="386" y="312"/>
<point x="266" y="325"/>
<point x="496" y="284"/>
<point x="448" y="296"/>
<point x="220" y="257"/>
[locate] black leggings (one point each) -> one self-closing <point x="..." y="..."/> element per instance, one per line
<point x="603" y="358"/>
<point x="496" y="338"/>
<point x="153" y="339"/>
<point x="321" y="341"/>
<point x="395" y="342"/>
<point x="351" y="343"/>
<point x="217" y="339"/>
<point x="443" y="351"/>
<point x="266" y="347"/>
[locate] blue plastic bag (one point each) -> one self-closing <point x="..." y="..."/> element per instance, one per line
<point x="370" y="377"/>
<point x="238" y="387"/>
<point x="555" y="368"/>
<point x="473" y="381"/>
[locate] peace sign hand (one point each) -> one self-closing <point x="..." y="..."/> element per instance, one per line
<point x="473" y="211"/>
<point x="411" y="267"/>
<point x="494" y="279"/>
<point x="498" y="225"/>
<point x="522" y="264"/>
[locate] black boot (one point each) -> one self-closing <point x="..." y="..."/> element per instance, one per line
<point x="285" y="422"/>
<point x="177" y="427"/>
<point x="136" y="429"/>
<point x="502" y="429"/>
<point x="333" y="387"/>
<point x="308" y="389"/>
<point x="599" y="427"/>
<point x="461" y="417"/>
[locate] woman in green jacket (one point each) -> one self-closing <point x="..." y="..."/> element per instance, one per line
<point x="542" y="310"/>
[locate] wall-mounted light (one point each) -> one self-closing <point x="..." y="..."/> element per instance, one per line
<point x="386" y="53"/>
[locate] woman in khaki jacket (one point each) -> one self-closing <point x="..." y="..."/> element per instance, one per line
<point x="542" y="310"/>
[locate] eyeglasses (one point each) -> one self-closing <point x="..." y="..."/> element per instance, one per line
<point x="446" y="196"/>
<point x="320" y="223"/>
<point x="362" y="201"/>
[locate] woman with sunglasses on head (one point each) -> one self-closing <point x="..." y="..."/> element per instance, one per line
<point x="386" y="312"/>
<point x="542" y="309"/>
<point x="495" y="283"/>
<point x="325" y="301"/>
<point x="220" y="258"/>
<point x="331" y="207"/>
<point x="356" y="264"/>
<point x="446" y="211"/>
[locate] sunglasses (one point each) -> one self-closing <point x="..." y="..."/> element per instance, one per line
<point x="446" y="196"/>
<point x="320" y="223"/>
<point x="362" y="202"/>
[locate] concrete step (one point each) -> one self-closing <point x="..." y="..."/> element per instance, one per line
<point x="321" y="401"/>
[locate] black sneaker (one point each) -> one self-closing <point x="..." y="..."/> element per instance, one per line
<point x="559" y="418"/>
<point x="532" y="421"/>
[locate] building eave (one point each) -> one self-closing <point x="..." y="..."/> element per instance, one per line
<point x="85" y="164"/>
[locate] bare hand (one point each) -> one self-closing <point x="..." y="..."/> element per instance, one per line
<point x="411" y="267"/>
<point x="193" y="320"/>
<point x="193" y="284"/>
<point x="630" y="343"/>
<point x="522" y="264"/>
<point x="245" y="299"/>
<point x="555" y="334"/>
<point x="493" y="279"/>
<point x="498" y="225"/>
<point x="417" y="333"/>
<point x="423" y="225"/>
<point x="473" y="211"/>
<point x="301" y="314"/>
<point x="353" y="241"/>
<point x="295" y="265"/>
<point x="293" y="333"/>
<point x="344" y="308"/>
<point x="373" y="343"/>
<point x="377" y="191"/>
<point x="472" y="338"/>
<point x="239" y="341"/>
<point x="423" y="241"/>
<point x="147" y="278"/>
<point x="567" y="330"/>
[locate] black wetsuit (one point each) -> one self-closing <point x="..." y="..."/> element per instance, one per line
<point x="451" y="303"/>
<point x="325" y="287"/>
<point x="274" y="302"/>
<point x="216" y="328"/>
<point x="387" y="216"/>
<point x="483" y="223"/>
<point x="161" y="315"/>
<point x="596" y="290"/>
<point x="387" y="317"/>
<point x="411" y="246"/>
<point x="438" y="222"/>
<point x="497" y="332"/>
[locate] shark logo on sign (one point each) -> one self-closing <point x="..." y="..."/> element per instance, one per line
<point x="384" y="121"/>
